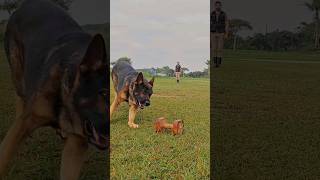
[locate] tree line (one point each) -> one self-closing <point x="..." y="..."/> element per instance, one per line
<point x="305" y="37"/>
<point x="167" y="71"/>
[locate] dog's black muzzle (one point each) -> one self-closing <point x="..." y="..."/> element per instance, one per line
<point x="143" y="104"/>
<point x="97" y="131"/>
<point x="147" y="103"/>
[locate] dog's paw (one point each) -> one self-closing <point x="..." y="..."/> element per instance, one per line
<point x="133" y="125"/>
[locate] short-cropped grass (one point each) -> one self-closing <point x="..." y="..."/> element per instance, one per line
<point x="266" y="116"/>
<point x="143" y="154"/>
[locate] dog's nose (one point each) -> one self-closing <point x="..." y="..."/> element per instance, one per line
<point x="147" y="103"/>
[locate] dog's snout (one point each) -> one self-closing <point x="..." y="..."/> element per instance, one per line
<point x="147" y="103"/>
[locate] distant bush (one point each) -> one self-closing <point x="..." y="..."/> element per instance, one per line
<point x="197" y="74"/>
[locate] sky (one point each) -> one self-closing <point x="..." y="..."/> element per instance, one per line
<point x="157" y="33"/>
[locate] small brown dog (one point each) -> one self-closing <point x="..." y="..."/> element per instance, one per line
<point x="161" y="124"/>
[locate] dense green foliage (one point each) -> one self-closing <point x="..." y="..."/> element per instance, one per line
<point x="300" y="39"/>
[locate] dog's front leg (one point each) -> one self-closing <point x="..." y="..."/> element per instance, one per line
<point x="132" y="115"/>
<point x="73" y="157"/>
<point x="114" y="105"/>
<point x="16" y="134"/>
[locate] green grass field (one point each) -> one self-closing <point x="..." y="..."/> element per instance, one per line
<point x="39" y="156"/>
<point x="143" y="154"/>
<point x="266" y="116"/>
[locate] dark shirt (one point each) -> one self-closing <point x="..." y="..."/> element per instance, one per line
<point x="178" y="68"/>
<point x="218" y="22"/>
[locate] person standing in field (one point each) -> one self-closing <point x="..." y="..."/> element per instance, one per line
<point x="219" y="28"/>
<point x="178" y="72"/>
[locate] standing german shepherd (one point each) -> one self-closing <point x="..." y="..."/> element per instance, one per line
<point x="60" y="76"/>
<point x="130" y="86"/>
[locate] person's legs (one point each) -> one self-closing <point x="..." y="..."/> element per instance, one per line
<point x="212" y="53"/>
<point x="178" y="76"/>
<point x="214" y="41"/>
<point x="220" y="43"/>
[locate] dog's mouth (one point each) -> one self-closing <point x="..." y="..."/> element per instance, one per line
<point x="98" y="140"/>
<point x="144" y="103"/>
<point x="95" y="138"/>
<point x="141" y="106"/>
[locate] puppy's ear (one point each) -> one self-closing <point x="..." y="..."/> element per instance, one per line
<point x="151" y="81"/>
<point x="95" y="56"/>
<point x="139" y="79"/>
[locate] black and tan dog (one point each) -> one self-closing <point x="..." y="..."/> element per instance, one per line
<point x="132" y="87"/>
<point x="60" y="76"/>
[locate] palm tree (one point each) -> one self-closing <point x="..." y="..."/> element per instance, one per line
<point x="237" y="25"/>
<point x="208" y="64"/>
<point x="314" y="7"/>
<point x="184" y="70"/>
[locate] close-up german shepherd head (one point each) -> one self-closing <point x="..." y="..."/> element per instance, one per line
<point x="141" y="90"/>
<point x="59" y="72"/>
<point x="84" y="92"/>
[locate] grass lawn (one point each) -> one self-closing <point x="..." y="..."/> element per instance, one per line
<point x="266" y="116"/>
<point x="39" y="156"/>
<point x="143" y="154"/>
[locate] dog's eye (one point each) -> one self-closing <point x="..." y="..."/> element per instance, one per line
<point x="103" y="92"/>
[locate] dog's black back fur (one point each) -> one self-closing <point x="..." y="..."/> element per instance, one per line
<point x="125" y="73"/>
<point x="53" y="28"/>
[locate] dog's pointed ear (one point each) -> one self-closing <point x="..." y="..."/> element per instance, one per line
<point x="66" y="84"/>
<point x="151" y="81"/>
<point x="139" y="79"/>
<point x="95" y="56"/>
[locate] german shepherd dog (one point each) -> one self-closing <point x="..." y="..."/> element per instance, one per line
<point x="132" y="87"/>
<point x="60" y="76"/>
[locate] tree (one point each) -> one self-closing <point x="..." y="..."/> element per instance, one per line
<point x="208" y="64"/>
<point x="197" y="74"/>
<point x="314" y="7"/>
<point x="184" y="69"/>
<point x="306" y="34"/>
<point x="258" y="42"/>
<point x="123" y="59"/>
<point x="12" y="5"/>
<point x="166" y="70"/>
<point x="237" y="25"/>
